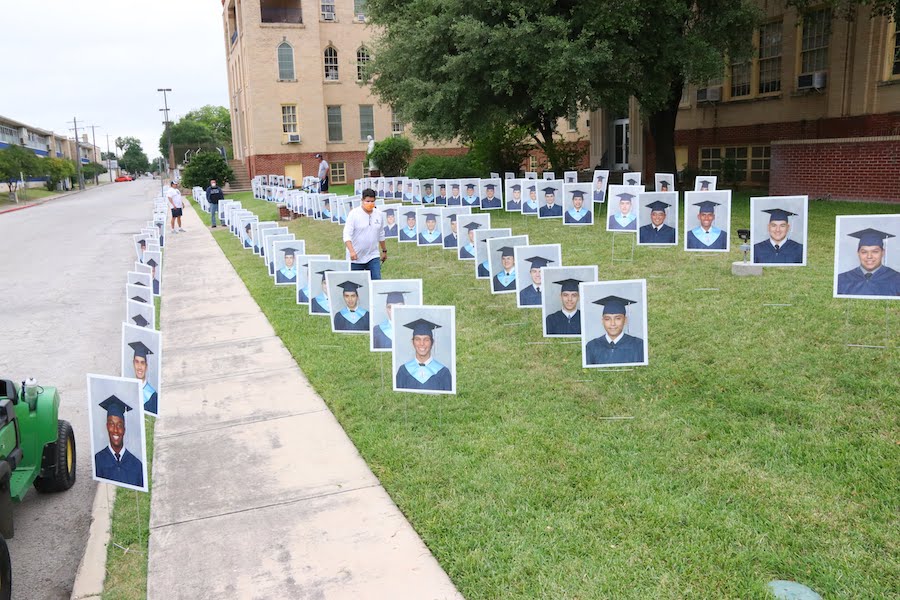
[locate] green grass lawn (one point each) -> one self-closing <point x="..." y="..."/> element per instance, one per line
<point x="759" y="445"/>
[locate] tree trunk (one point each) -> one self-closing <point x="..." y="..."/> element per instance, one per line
<point x="662" y="128"/>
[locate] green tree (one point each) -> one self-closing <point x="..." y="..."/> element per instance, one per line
<point x="500" y="148"/>
<point x="57" y="170"/>
<point x="208" y="126"/>
<point x="391" y="155"/>
<point x="128" y="142"/>
<point x="134" y="161"/>
<point x="205" y="166"/>
<point x="108" y="156"/>
<point x="15" y="162"/>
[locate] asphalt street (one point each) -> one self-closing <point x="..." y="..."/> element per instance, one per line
<point x="62" y="268"/>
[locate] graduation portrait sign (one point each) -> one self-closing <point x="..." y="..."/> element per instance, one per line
<point x="285" y="254"/>
<point x="867" y="257"/>
<point x="707" y="221"/>
<point x="449" y="226"/>
<point x="513" y="196"/>
<point x="561" y="300"/>
<point x="140" y="314"/>
<point x="154" y="261"/>
<point x="468" y="226"/>
<point x="428" y="227"/>
<point x="482" y="262"/>
<point x="491" y="192"/>
<point x="142" y="360"/>
<point x="391" y="214"/>
<point x="621" y="209"/>
<point x="664" y="182"/>
<point x="319" y="302"/>
<point x="657" y="219"/>
<point x="118" y="443"/>
<point x="599" y="181"/>
<point x="139" y="293"/>
<point x="778" y="230"/>
<point x="549" y="195"/>
<point x="270" y="249"/>
<point x="256" y="231"/>
<point x="302" y="263"/>
<point x="350" y="293"/>
<point x="424" y="353"/>
<point x="577" y="206"/>
<point x="388" y="294"/>
<point x="614" y="323"/>
<point x="502" y="270"/>
<point x="705" y="183"/>
<point x="139" y="278"/>
<point x="530" y="260"/>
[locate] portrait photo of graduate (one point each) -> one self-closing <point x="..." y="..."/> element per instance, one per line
<point x="319" y="300"/>
<point x="140" y="314"/>
<point x="502" y="259"/>
<point x="139" y="278"/>
<point x="141" y="268"/>
<point x="139" y="293"/>
<point x="470" y="196"/>
<point x="246" y="229"/>
<point x="614" y="322"/>
<point x="391" y="229"/>
<point x="551" y="200"/>
<point x="657" y="217"/>
<point x="621" y="210"/>
<point x="286" y="261"/>
<point x="424" y="353"/>
<point x="276" y="259"/>
<point x="561" y="303"/>
<point x="513" y="195"/>
<point x="530" y="260"/>
<point x="409" y="195"/>
<point x="482" y="258"/>
<point x="531" y="205"/>
<point x="350" y="294"/>
<point x="387" y="294"/>
<point x="399" y="182"/>
<point x="440" y="192"/>
<point x="408" y="232"/>
<point x="325" y="211"/>
<point x="491" y="192"/>
<point x="140" y="246"/>
<point x="575" y="210"/>
<point x="450" y="226"/>
<point x="570" y="176"/>
<point x="664" y="182"/>
<point x="116" y="417"/>
<point x="302" y="280"/>
<point x="778" y="230"/>
<point x="598" y="186"/>
<point x="705" y="183"/>
<point x="428" y="191"/>
<point x="379" y="187"/>
<point x="256" y="231"/>
<point x="455" y="195"/>
<point x="429" y="232"/>
<point x="707" y="221"/>
<point x="265" y="244"/>
<point x="469" y="224"/>
<point x="633" y="178"/>
<point x="867" y="257"/>
<point x="141" y="359"/>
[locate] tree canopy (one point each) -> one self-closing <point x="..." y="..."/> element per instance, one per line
<point x="16" y="161"/>
<point x="208" y="126"/>
<point x="134" y="160"/>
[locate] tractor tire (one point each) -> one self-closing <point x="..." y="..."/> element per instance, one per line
<point x="5" y="571"/>
<point x="63" y="475"/>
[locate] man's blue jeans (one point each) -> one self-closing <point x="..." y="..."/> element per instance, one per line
<point x="373" y="267"/>
<point x="213" y="213"/>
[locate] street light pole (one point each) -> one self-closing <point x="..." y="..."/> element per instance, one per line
<point x="168" y="132"/>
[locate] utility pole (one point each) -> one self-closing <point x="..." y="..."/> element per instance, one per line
<point x="108" y="163"/>
<point x="171" y="155"/>
<point x="94" y="150"/>
<point x="78" y="155"/>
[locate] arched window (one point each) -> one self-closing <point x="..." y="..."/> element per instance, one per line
<point x="362" y="59"/>
<point x="285" y="62"/>
<point x="331" y="64"/>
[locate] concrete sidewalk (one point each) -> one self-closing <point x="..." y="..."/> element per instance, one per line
<point x="257" y="490"/>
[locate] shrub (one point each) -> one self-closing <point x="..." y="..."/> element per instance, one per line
<point x="205" y="166"/>
<point x="500" y="148"/>
<point x="427" y="166"/>
<point x="391" y="155"/>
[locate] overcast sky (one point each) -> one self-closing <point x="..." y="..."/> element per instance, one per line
<point x="103" y="60"/>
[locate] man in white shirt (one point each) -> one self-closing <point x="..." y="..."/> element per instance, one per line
<point x="176" y="203"/>
<point x="363" y="233"/>
<point x="324" y="172"/>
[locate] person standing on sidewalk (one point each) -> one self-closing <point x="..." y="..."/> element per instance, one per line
<point x="176" y="204"/>
<point x="213" y="195"/>
<point x="363" y="233"/>
<point x="324" y="172"/>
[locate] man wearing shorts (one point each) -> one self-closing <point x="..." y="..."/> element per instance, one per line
<point x="176" y="203"/>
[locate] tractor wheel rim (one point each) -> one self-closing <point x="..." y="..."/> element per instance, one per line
<point x="70" y="455"/>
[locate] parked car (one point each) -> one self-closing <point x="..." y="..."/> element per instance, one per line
<point x="124" y="178"/>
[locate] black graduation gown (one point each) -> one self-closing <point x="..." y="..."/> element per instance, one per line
<point x="513" y="206"/>
<point x="440" y="200"/>
<point x="454" y="201"/>
<point x="790" y="252"/>
<point x="247" y="243"/>
<point x="473" y="201"/>
<point x="499" y="287"/>
<point x="599" y="196"/>
<point x="550" y="211"/>
<point x="530" y="296"/>
<point x="156" y="287"/>
<point x="405" y="237"/>
<point x="492" y="203"/>
<point x="482" y="272"/>
<point x="648" y="234"/>
<point x="629" y="349"/>
<point x="425" y="242"/>
<point x="695" y="244"/>
<point x="441" y="381"/>
<point x="152" y="404"/>
<point x="302" y="298"/>
<point x="613" y="225"/>
<point x="463" y="253"/>
<point x="282" y="278"/>
<point x="884" y="282"/>
<point x="380" y="339"/>
<point x="316" y="307"/>
<point x="587" y="217"/>
<point x="342" y="324"/>
<point x="390" y="231"/>
<point x="559" y="324"/>
<point x="128" y="470"/>
<point x="450" y="241"/>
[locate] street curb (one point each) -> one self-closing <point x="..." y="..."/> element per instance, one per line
<point x="51" y="199"/>
<point x="92" y="570"/>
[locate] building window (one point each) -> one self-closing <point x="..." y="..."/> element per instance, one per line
<point x="572" y="122"/>
<point x="338" y="172"/>
<point x="289" y="118"/>
<point x="896" y="67"/>
<point x="328" y="10"/>
<point x="736" y="159"/>
<point x="743" y="163"/>
<point x="770" y="58"/>
<point x="9" y="135"/>
<point x="285" y="62"/>
<point x="532" y="163"/>
<point x="362" y="60"/>
<point x="685" y="96"/>
<point x="710" y="161"/>
<point x="335" y="127"/>
<point x="740" y="79"/>
<point x="366" y="122"/>
<point x="331" y="64"/>
<point x="280" y="11"/>
<point x="359" y="9"/>
<point x="814" y="41"/>
<point x="396" y="125"/>
<point x="759" y="163"/>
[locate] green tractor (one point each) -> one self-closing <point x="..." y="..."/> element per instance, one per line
<point x="36" y="448"/>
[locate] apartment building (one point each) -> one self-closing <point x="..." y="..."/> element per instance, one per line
<point x="45" y="143"/>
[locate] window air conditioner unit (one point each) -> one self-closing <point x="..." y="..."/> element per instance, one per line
<point x="361" y="18"/>
<point x="293" y="138"/>
<point x="328" y="16"/>
<point x="812" y="81"/>
<point x="709" y="94"/>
